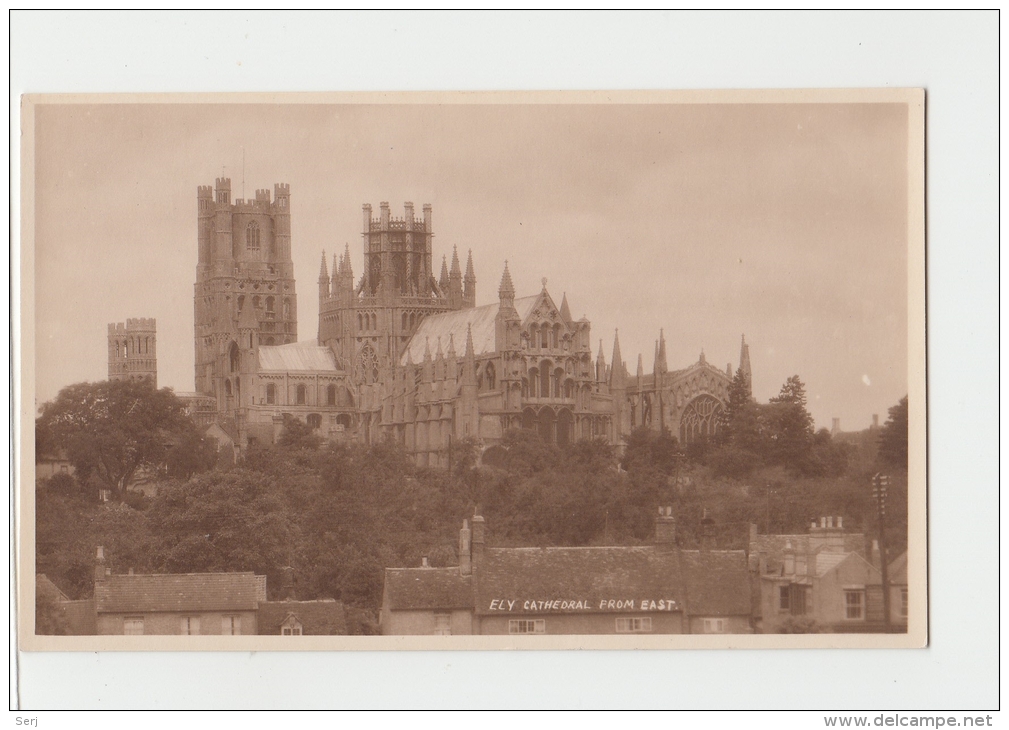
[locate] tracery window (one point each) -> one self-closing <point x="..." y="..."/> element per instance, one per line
<point x="252" y="236"/>
<point x="367" y="365"/>
<point x="700" y="418"/>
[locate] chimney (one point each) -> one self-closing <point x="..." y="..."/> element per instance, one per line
<point x="287" y="583"/>
<point x="789" y="558"/>
<point x="875" y="420"/>
<point x="479" y="540"/>
<point x="100" y="564"/>
<point x="707" y="531"/>
<point x="465" y="557"/>
<point x="665" y="529"/>
<point x="874" y="558"/>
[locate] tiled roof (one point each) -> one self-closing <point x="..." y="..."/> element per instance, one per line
<point x="453" y="325"/>
<point x="897" y="570"/>
<point x="44" y="585"/>
<point x="427" y="588"/>
<point x="772" y="547"/>
<point x="583" y="574"/>
<point x="718" y="582"/>
<point x="179" y="592"/>
<point x="828" y="561"/>
<point x="317" y="618"/>
<point x="297" y="356"/>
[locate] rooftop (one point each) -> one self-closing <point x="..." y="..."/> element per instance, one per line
<point x="297" y="356"/>
<point x="180" y="592"/>
<point x="427" y="588"/>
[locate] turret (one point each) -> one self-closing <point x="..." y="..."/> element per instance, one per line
<point x="660" y="365"/>
<point x="618" y="375"/>
<point x="443" y="279"/>
<point x="455" y="291"/>
<point x="641" y="371"/>
<point x="565" y="309"/>
<point x="600" y="364"/>
<point x="744" y="365"/>
<point x="507" y="323"/>
<point x="469" y="281"/>
<point x="324" y="279"/>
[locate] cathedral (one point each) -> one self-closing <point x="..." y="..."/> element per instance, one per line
<point x="404" y="353"/>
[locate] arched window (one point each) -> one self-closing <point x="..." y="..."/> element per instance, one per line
<point x="269" y="307"/>
<point x="360" y="322"/>
<point x="227" y="388"/>
<point x="331" y="395"/>
<point x="367" y="365"/>
<point x="545" y="379"/>
<point x="287" y="308"/>
<point x="700" y="418"/>
<point x="525" y="388"/>
<point x="314" y="421"/>
<point x="491" y="376"/>
<point x="256" y="302"/>
<point x="534" y="381"/>
<point x="301" y="394"/>
<point x="271" y="394"/>
<point x="403" y="327"/>
<point x="545" y="336"/>
<point x="233" y="357"/>
<point x="117" y="350"/>
<point x="252" y="236"/>
<point x="558" y="379"/>
<point x="241" y="302"/>
<point x="569" y="388"/>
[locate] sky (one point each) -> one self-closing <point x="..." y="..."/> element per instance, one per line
<point x="783" y="222"/>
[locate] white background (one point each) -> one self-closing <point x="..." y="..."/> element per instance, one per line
<point x="954" y="56"/>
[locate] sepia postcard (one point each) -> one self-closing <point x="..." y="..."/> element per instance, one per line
<point x="607" y="370"/>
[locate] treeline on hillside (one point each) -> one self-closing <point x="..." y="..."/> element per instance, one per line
<point x="340" y="514"/>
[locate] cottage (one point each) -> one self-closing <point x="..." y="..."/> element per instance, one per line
<point x="651" y="589"/>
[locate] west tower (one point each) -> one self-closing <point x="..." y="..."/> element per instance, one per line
<point x="245" y="294"/>
<point x="133" y="350"/>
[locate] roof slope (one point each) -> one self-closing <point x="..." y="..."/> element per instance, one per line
<point x="584" y="574"/>
<point x="178" y="592"/>
<point x="317" y="618"/>
<point x="480" y="321"/>
<point x="772" y="547"/>
<point x="409" y="589"/>
<point x="718" y="582"/>
<point x="297" y="356"/>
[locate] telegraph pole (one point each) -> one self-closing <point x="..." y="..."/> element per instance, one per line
<point x="880" y="485"/>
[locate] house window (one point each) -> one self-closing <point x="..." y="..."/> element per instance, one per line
<point x="190" y="625"/>
<point x="854" y="605"/>
<point x="714" y="625"/>
<point x="785" y="598"/>
<point x="290" y="631"/>
<point x="231" y="625"/>
<point x="271" y="394"/>
<point x="133" y="626"/>
<point x="634" y="625"/>
<point x="903" y="602"/>
<point x="527" y="626"/>
<point x="442" y="627"/>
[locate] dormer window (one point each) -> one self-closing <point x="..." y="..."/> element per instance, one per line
<point x="291" y="626"/>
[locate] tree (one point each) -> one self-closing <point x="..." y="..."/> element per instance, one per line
<point x="112" y="428"/>
<point x="791" y="424"/>
<point x="739" y="398"/>
<point x="297" y="434"/>
<point x="893" y="436"/>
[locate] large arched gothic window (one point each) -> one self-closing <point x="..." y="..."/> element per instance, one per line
<point x="367" y="365"/>
<point x="252" y="236"/>
<point x="233" y="357"/>
<point x="700" y="418"/>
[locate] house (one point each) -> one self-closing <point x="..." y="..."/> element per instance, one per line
<point x="650" y="589"/>
<point x="324" y="617"/>
<point x="57" y="614"/>
<point x="183" y="603"/>
<point x="820" y="581"/>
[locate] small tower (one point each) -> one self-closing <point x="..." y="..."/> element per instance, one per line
<point x="744" y="365"/>
<point x="469" y="283"/>
<point x="133" y="350"/>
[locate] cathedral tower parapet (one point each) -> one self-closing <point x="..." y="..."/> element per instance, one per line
<point x="133" y="350"/>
